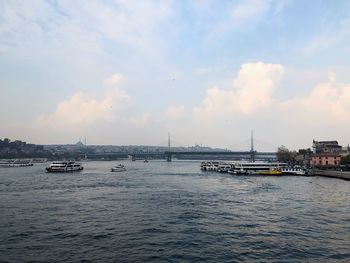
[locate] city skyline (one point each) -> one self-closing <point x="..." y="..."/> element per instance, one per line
<point x="127" y="72"/>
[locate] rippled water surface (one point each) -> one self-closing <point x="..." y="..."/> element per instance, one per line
<point x="170" y="212"/>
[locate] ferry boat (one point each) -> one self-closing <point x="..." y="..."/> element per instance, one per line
<point x="272" y="171"/>
<point x="66" y="166"/>
<point x="209" y="166"/>
<point x="296" y="170"/>
<point x="203" y="166"/>
<point x="256" y="168"/>
<point x="224" y="167"/>
<point x="118" y="168"/>
<point x="15" y="163"/>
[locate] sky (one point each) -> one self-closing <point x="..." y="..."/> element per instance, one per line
<point x="207" y="72"/>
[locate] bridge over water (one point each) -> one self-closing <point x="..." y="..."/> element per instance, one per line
<point x="231" y="155"/>
<point x="172" y="152"/>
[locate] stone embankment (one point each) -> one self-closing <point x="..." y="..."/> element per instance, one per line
<point x="334" y="174"/>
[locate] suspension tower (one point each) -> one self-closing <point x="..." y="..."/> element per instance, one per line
<point x="168" y="157"/>
<point x="252" y="152"/>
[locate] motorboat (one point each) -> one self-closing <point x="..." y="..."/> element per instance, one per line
<point x="118" y="168"/>
<point x="64" y="166"/>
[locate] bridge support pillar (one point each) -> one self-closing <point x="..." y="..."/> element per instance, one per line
<point x="252" y="156"/>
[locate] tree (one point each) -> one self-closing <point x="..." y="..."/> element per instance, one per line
<point x="345" y="160"/>
<point x="284" y="155"/>
<point x="305" y="151"/>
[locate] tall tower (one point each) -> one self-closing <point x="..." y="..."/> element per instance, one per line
<point x="252" y="152"/>
<point x="168" y="156"/>
<point x="169" y="140"/>
<point x="251" y="141"/>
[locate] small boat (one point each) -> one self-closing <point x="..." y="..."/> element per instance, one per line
<point x="118" y="168"/>
<point x="62" y="167"/>
<point x="145" y="161"/>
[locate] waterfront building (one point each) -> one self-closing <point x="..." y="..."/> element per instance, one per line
<point x="345" y="150"/>
<point x="326" y="147"/>
<point x="326" y="160"/>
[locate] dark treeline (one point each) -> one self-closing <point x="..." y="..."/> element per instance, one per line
<point x="19" y="149"/>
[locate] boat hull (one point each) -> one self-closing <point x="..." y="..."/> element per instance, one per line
<point x="118" y="170"/>
<point x="63" y="170"/>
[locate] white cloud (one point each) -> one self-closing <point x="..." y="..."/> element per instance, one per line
<point x="81" y="110"/>
<point x="327" y="103"/>
<point x="113" y="80"/>
<point x="250" y="9"/>
<point x="321" y="113"/>
<point x="127" y="22"/>
<point x="246" y="13"/>
<point x="253" y="89"/>
<point x="202" y="70"/>
<point x="333" y="34"/>
<point x="141" y="120"/>
<point x="176" y="112"/>
<point x="77" y="28"/>
<point x="202" y="6"/>
<point x="253" y="92"/>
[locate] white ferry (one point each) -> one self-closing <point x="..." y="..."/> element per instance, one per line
<point x="15" y="163"/>
<point x="296" y="170"/>
<point x="61" y="167"/>
<point x="209" y="166"/>
<point x="224" y="167"/>
<point x="256" y="168"/>
<point x="118" y="168"/>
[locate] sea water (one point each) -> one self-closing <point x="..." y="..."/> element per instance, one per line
<point x="170" y="212"/>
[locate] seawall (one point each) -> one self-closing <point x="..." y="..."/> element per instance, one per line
<point x="334" y="174"/>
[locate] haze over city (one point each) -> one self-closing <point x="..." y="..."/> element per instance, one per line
<point x="129" y="72"/>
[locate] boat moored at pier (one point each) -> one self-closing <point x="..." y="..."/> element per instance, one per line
<point x="296" y="170"/>
<point x="224" y="167"/>
<point x="15" y="163"/>
<point x="256" y="168"/>
<point x="209" y="166"/>
<point x="65" y="166"/>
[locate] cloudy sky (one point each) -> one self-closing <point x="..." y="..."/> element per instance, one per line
<point x="129" y="72"/>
